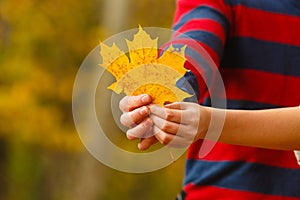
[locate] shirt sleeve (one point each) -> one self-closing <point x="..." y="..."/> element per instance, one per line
<point x="206" y="23"/>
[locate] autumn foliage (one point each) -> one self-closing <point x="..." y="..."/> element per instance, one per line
<point x="42" y="45"/>
<point x="144" y="71"/>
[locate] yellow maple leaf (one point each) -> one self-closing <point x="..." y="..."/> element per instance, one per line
<point x="143" y="72"/>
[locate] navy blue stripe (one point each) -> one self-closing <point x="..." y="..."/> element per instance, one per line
<point x="189" y="84"/>
<point x="249" y="53"/>
<point x="203" y="12"/>
<point x="242" y="104"/>
<point x="249" y="105"/>
<point x="288" y="7"/>
<point x="207" y="38"/>
<point x="244" y="176"/>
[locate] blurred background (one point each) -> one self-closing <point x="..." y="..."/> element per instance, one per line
<point x="42" y="44"/>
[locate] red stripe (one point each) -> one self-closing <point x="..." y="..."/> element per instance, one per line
<point x="212" y="54"/>
<point x="227" y="152"/>
<point x="204" y="25"/>
<point x="184" y="6"/>
<point x="211" y="192"/>
<point x="263" y="87"/>
<point x="263" y="25"/>
<point x="206" y="52"/>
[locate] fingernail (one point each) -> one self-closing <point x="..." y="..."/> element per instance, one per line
<point x="140" y="146"/>
<point x="143" y="111"/>
<point x="145" y="99"/>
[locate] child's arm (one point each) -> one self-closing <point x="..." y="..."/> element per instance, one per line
<point x="273" y="128"/>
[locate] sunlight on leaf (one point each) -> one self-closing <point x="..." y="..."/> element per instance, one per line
<point x="143" y="72"/>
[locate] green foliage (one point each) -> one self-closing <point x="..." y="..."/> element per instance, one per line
<point x="42" y="44"/>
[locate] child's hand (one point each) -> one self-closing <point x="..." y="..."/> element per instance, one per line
<point x="136" y="116"/>
<point x="178" y="124"/>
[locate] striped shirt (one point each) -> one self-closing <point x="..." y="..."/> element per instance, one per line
<point x="256" y="46"/>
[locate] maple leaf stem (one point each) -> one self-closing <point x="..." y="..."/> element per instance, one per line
<point x="172" y="156"/>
